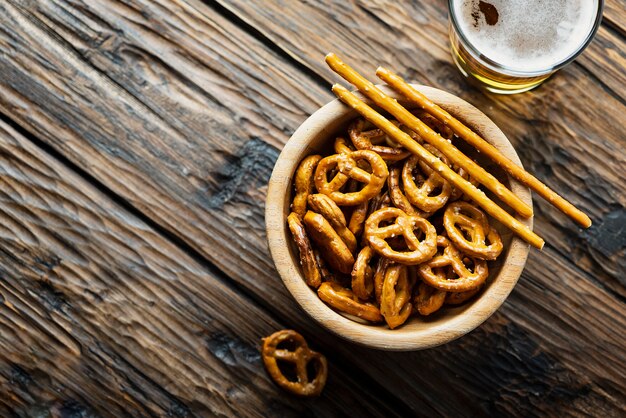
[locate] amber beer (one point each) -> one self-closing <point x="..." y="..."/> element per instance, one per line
<point x="511" y="46"/>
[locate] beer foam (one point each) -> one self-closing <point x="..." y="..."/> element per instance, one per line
<point x="529" y="35"/>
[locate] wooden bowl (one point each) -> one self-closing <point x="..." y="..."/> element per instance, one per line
<point x="316" y="135"/>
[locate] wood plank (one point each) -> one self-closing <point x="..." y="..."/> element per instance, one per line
<point x="99" y="311"/>
<point x="615" y="15"/>
<point x="148" y="168"/>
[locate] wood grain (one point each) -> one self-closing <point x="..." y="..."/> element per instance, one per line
<point x="178" y="111"/>
<point x="115" y="320"/>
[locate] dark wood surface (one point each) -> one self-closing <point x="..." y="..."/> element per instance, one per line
<point x="136" y="141"/>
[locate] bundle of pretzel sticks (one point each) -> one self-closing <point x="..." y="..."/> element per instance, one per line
<point x="401" y="203"/>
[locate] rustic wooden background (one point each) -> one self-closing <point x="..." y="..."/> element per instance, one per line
<point x="136" y="141"/>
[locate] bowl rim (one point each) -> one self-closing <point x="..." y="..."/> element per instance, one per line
<point x="480" y="310"/>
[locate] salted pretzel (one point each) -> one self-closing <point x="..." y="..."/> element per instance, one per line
<point x="300" y="356"/>
<point x="428" y="299"/>
<point x="310" y="268"/>
<point x="423" y="187"/>
<point x="457" y="298"/>
<point x="347" y="166"/>
<point x="303" y="183"/>
<point x="363" y="274"/>
<point x="435" y="124"/>
<point x="341" y="146"/>
<point x="397" y="195"/>
<point x="418" y="250"/>
<point x="345" y="300"/>
<point x="457" y="193"/>
<point x="379" y="277"/>
<point x="332" y="247"/>
<point x="325" y="272"/>
<point x="364" y="137"/>
<point x="448" y="270"/>
<point x="326" y="207"/>
<point x="395" y="299"/>
<point x="382" y="200"/>
<point x="357" y="218"/>
<point x="468" y="228"/>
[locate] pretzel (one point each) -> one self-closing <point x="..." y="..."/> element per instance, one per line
<point x="325" y="206"/>
<point x="345" y="300"/>
<point x="397" y="195"/>
<point x="457" y="298"/>
<point x="379" y="277"/>
<point x="432" y="193"/>
<point x="405" y="140"/>
<point x="363" y="274"/>
<point x="332" y="247"/>
<point x="428" y="299"/>
<point x="357" y="218"/>
<point x="341" y="146"/>
<point x="362" y="139"/>
<point x="310" y="268"/>
<point x="382" y="200"/>
<point x="299" y="356"/>
<point x="405" y="225"/>
<point x="304" y="183"/>
<point x="457" y="278"/>
<point x="472" y="138"/>
<point x="457" y="193"/>
<point x="434" y="124"/>
<point x="326" y="274"/>
<point x="347" y="165"/>
<point x="395" y="300"/>
<point x="463" y="217"/>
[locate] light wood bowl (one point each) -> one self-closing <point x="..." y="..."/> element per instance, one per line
<point x="316" y="135"/>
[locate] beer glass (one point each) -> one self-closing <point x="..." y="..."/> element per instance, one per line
<point x="512" y="46"/>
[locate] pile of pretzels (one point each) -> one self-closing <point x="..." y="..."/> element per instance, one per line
<point x="381" y="235"/>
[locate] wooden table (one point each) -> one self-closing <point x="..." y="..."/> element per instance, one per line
<point x="136" y="142"/>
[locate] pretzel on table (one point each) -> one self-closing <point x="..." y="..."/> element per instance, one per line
<point x="300" y="356"/>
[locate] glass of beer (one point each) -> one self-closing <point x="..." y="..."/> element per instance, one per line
<point x="512" y="46"/>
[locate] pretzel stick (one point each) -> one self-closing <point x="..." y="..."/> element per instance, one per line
<point x="436" y="164"/>
<point x="424" y="131"/>
<point x="398" y="84"/>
